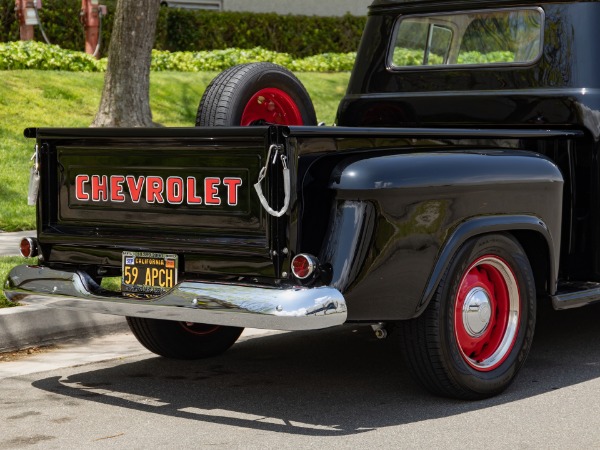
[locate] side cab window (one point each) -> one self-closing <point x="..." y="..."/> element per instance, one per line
<point x="507" y="36"/>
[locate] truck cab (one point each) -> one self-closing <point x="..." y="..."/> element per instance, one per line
<point x="500" y="64"/>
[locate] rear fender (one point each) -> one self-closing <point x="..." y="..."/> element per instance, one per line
<point x="398" y="219"/>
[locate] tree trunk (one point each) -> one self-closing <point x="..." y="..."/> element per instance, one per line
<point x="126" y="95"/>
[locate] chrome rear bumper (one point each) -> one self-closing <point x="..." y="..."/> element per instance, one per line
<point x="290" y="308"/>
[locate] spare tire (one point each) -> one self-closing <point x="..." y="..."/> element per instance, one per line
<point x="255" y="94"/>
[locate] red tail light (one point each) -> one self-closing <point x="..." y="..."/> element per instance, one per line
<point x="304" y="265"/>
<point x="28" y="247"/>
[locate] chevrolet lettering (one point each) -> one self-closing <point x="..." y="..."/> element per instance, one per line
<point x="154" y="189"/>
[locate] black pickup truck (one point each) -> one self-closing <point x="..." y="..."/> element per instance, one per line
<point x="458" y="191"/>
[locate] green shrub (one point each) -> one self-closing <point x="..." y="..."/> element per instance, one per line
<point x="189" y="30"/>
<point x="35" y="55"/>
<point x="327" y="62"/>
<point x="485" y="58"/>
<point x="216" y="60"/>
<point x="410" y="57"/>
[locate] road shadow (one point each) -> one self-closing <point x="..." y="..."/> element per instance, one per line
<point x="327" y="383"/>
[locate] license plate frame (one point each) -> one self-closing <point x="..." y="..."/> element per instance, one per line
<point x="149" y="273"/>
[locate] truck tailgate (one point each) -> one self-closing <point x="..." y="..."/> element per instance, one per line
<point x="174" y="190"/>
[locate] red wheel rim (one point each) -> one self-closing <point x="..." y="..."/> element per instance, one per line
<point x="199" y="328"/>
<point x="486" y="314"/>
<point x="271" y="105"/>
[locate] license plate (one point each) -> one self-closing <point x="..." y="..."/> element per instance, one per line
<point x="148" y="273"/>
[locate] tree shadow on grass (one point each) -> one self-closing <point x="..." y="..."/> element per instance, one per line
<point x="8" y="196"/>
<point x="190" y="99"/>
<point x="8" y="199"/>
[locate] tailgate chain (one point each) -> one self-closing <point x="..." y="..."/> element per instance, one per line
<point x="286" y="182"/>
<point x="34" y="178"/>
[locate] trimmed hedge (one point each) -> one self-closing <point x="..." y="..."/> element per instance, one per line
<point x="473" y="57"/>
<point x="36" y="55"/>
<point x="183" y="30"/>
<point x="198" y="30"/>
<point x="218" y="60"/>
<point x="404" y="57"/>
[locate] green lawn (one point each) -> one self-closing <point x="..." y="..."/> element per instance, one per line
<point x="66" y="99"/>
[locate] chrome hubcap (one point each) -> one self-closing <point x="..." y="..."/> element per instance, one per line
<point x="477" y="312"/>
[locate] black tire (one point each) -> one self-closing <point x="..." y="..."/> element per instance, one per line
<point x="230" y="93"/>
<point x="470" y="343"/>
<point x="182" y="340"/>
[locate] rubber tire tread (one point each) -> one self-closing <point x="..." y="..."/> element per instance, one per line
<point x="228" y="93"/>
<point x="421" y="349"/>
<point x="421" y="339"/>
<point x="169" y="339"/>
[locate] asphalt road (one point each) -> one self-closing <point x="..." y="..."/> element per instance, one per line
<point x="337" y="388"/>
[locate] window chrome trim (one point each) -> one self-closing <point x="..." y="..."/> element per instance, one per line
<point x="392" y="43"/>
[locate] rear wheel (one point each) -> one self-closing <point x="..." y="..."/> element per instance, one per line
<point x="477" y="331"/>
<point x="254" y="94"/>
<point x="183" y="340"/>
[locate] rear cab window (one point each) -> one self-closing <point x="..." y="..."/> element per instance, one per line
<point x="471" y="38"/>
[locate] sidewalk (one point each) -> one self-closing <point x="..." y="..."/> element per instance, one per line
<point x="33" y="326"/>
<point x="9" y="242"/>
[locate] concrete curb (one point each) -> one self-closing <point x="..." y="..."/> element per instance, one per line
<point x="34" y="326"/>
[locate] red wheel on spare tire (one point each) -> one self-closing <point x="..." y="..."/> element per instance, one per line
<point x="253" y="94"/>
